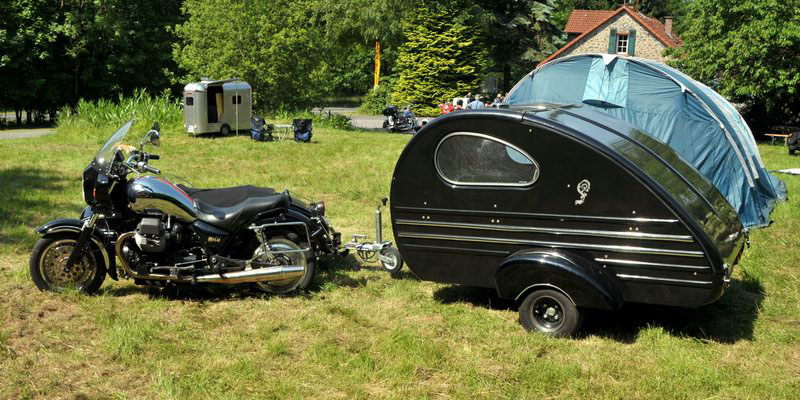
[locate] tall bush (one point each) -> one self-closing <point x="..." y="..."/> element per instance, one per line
<point x="441" y="57"/>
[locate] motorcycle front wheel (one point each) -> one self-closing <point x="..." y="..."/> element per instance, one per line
<point x="287" y="243"/>
<point x="48" y="258"/>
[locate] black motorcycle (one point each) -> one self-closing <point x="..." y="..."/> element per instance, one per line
<point x="162" y="233"/>
<point x="399" y="121"/>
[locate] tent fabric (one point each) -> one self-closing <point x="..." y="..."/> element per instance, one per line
<point x="698" y="123"/>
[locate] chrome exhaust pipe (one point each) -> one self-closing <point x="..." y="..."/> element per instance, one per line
<point x="276" y="273"/>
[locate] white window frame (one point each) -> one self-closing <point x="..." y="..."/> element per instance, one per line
<point x="622" y="43"/>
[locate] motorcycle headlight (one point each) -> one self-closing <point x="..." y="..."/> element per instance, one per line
<point x="319" y="208"/>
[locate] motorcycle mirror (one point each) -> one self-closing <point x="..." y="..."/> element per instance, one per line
<point x="155" y="137"/>
<point x="151" y="137"/>
<point x="156" y="127"/>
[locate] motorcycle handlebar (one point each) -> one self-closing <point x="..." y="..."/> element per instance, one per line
<point x="151" y="169"/>
<point x="153" y="156"/>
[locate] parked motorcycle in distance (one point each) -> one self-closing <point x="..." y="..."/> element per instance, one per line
<point x="162" y="233"/>
<point x="399" y="121"/>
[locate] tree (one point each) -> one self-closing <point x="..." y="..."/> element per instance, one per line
<point x="54" y="53"/>
<point x="441" y="58"/>
<point x="519" y="34"/>
<point x="748" y="50"/>
<point x="279" y="47"/>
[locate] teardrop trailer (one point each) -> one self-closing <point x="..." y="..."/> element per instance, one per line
<point x="563" y="209"/>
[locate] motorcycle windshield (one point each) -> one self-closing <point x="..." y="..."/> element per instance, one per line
<point x="105" y="157"/>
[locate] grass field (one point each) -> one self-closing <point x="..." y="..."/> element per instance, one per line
<point x="359" y="333"/>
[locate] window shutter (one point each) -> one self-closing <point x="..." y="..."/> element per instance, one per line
<point x="632" y="42"/>
<point x="612" y="41"/>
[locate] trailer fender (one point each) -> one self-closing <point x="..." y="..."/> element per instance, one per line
<point x="74" y="226"/>
<point x="584" y="282"/>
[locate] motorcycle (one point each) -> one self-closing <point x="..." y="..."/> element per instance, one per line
<point x="398" y="121"/>
<point x="164" y="233"/>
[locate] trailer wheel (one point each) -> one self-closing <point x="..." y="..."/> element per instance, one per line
<point x="391" y="260"/>
<point x="791" y="151"/>
<point x="551" y="313"/>
<point x="225" y="130"/>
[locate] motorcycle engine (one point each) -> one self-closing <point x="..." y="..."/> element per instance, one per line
<point x="151" y="235"/>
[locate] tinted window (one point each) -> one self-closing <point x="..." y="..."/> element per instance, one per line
<point x="189" y="101"/>
<point x="474" y="159"/>
<point x="236" y="99"/>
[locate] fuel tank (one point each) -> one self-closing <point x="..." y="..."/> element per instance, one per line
<point x="149" y="194"/>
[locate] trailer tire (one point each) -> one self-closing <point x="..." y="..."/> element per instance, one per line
<point x="225" y="130"/>
<point x="550" y="312"/>
<point x="391" y="260"/>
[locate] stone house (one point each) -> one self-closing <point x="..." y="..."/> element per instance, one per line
<point x="621" y="31"/>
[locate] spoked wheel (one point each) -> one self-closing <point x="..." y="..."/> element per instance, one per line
<point x="550" y="312"/>
<point x="47" y="263"/>
<point x="284" y="286"/>
<point x="391" y="260"/>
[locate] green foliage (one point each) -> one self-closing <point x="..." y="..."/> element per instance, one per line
<point x="377" y="99"/>
<point x="53" y="53"/>
<point x="746" y="50"/>
<point x="141" y="106"/>
<point x="441" y="58"/>
<point x="276" y="46"/>
<point x="519" y="35"/>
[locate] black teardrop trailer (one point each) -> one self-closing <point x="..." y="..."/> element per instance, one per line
<point x="563" y="209"/>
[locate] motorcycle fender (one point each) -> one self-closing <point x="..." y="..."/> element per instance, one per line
<point x="75" y="225"/>
<point x="582" y="281"/>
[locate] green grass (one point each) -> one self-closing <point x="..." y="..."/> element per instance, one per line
<point x="359" y="333"/>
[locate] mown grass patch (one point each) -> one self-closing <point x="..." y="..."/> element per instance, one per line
<point x="359" y="333"/>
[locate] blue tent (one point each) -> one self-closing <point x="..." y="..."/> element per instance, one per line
<point x="694" y="120"/>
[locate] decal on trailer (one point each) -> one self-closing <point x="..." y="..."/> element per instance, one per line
<point x="583" y="191"/>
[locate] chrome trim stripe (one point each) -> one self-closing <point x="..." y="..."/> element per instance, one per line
<point x="651" y="264"/>
<point x="552" y="231"/>
<point x="497" y="253"/>
<point x="610" y="248"/>
<point x="657" y="279"/>
<point x="536" y="215"/>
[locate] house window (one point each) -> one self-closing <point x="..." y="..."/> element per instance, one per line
<point x="465" y="158"/>
<point x="622" y="43"/>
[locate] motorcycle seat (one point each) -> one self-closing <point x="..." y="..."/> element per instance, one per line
<point x="228" y="218"/>
<point x="227" y="197"/>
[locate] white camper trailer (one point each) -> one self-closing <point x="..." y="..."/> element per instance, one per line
<point x="222" y="106"/>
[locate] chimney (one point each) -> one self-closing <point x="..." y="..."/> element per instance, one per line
<point x="668" y="25"/>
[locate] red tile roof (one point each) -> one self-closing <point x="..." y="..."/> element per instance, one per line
<point x="580" y="19"/>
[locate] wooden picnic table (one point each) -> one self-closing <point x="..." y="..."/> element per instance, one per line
<point x="782" y="132"/>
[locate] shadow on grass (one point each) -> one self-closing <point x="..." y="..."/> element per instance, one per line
<point x="728" y="320"/>
<point x="26" y="197"/>
<point x="332" y="272"/>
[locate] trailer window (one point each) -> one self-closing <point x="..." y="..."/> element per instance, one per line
<point x="189" y="100"/>
<point x="237" y="99"/>
<point x="464" y="158"/>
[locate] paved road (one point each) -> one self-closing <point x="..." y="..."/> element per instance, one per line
<point x="24" y="133"/>
<point x="371" y="122"/>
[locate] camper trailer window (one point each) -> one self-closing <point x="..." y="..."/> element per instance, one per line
<point x="189" y="100"/>
<point x="237" y="99"/>
<point x="465" y="158"/>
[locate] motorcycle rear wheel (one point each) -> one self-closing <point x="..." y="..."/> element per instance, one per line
<point x="288" y="242"/>
<point x="47" y="262"/>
